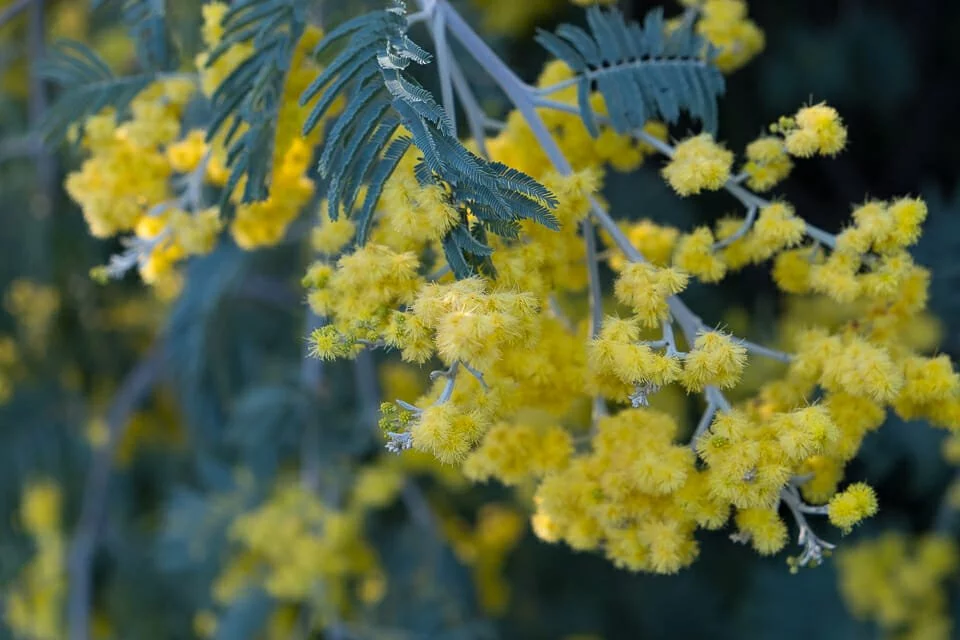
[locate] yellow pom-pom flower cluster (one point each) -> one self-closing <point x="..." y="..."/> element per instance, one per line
<point x="524" y="344"/>
<point x="518" y="366"/>
<point x="715" y="360"/>
<point x="636" y="495"/>
<point x="768" y="163"/>
<point x="813" y="130"/>
<point x="853" y="504"/>
<point x="695" y="255"/>
<point x="724" y="23"/>
<point x="512" y="453"/>
<point x="484" y="548"/>
<point x="34" y="307"/>
<point x="34" y="602"/>
<point x="901" y="583"/>
<point x="446" y="432"/>
<point x="304" y="552"/>
<point x="698" y="164"/>
<point x="625" y="368"/>
<point x="127" y="173"/>
<point x="646" y="288"/>
<point x="143" y="178"/>
<point x="9" y="356"/>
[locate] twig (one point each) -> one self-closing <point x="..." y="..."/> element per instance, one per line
<point x="599" y="408"/>
<point x="37" y="106"/>
<point x="135" y="387"/>
<point x="476" y="374"/>
<point x="368" y="391"/>
<point x="438" y="30"/>
<point x="451" y="376"/>
<point x="705" y="420"/>
<point x="946" y="513"/>
<point x="20" y="147"/>
<point x="749" y="199"/>
<point x="739" y="233"/>
<point x="716" y="396"/>
<point x="14" y="9"/>
<point x="439" y="273"/>
<point x="560" y="86"/>
<point x="814" y="547"/>
<point x="416" y="503"/>
<point x="766" y="352"/>
<point x="311" y="379"/>
<point x="669" y="339"/>
<point x="493" y="124"/>
<point x="593" y="277"/>
<point x="477" y="120"/>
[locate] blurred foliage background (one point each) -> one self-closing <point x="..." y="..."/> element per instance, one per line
<point x="161" y="421"/>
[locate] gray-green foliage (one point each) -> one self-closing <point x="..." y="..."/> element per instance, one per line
<point x="643" y="72"/>
<point x="146" y="21"/>
<point x="246" y="105"/>
<point x="87" y="85"/>
<point x="370" y="71"/>
<point x="233" y="362"/>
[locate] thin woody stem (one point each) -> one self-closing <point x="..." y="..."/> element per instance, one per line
<point x="766" y="352"/>
<point x="705" y="420"/>
<point x="439" y="32"/>
<point x="526" y="102"/>
<point x="135" y="387"/>
<point x="749" y="199"/>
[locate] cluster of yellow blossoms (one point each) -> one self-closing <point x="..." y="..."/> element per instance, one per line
<point x="34" y="602"/>
<point x="128" y="177"/>
<point x="302" y="551"/>
<point x="900" y="583"/>
<point x="519" y="368"/>
<point x="520" y="361"/>
<point x="484" y="548"/>
<point x="725" y="25"/>
<point x="148" y="176"/>
<point x="34" y="308"/>
<point x="8" y="362"/>
<point x="700" y="164"/>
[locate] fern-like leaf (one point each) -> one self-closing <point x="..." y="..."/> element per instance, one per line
<point x="88" y="85"/>
<point x="642" y="72"/>
<point x="251" y="95"/>
<point x="378" y="178"/>
<point x="146" y="22"/>
<point x="370" y="69"/>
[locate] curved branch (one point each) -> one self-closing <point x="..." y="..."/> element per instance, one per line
<point x="133" y="390"/>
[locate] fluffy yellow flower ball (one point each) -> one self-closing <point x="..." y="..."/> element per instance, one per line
<point x="446" y="432"/>
<point x="646" y="289"/>
<point x="764" y="529"/>
<point x="817" y="129"/>
<point x="767" y="163"/>
<point x="777" y="228"/>
<point x="854" y="504"/>
<point x="40" y="510"/>
<point x="698" y="164"/>
<point x="695" y="255"/>
<point x="332" y="235"/>
<point x="715" y="360"/>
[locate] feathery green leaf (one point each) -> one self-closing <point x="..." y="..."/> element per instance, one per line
<point x="643" y="73"/>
